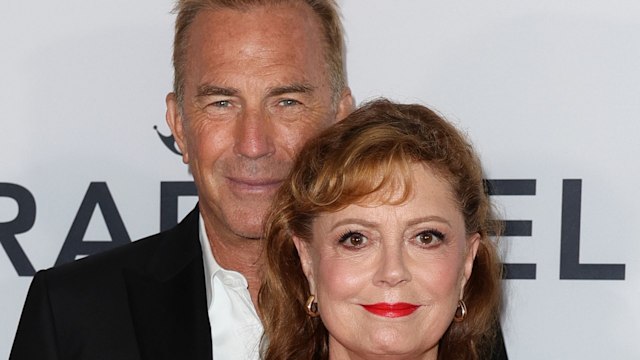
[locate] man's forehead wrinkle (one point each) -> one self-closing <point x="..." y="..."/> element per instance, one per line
<point x="267" y="42"/>
<point x="256" y="48"/>
<point x="295" y="27"/>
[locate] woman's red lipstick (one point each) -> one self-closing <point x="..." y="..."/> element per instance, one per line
<point x="391" y="310"/>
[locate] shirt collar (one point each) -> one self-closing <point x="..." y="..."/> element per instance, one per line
<point x="210" y="264"/>
<point x="212" y="269"/>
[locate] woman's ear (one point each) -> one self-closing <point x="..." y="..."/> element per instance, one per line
<point x="472" y="249"/>
<point x="304" y="252"/>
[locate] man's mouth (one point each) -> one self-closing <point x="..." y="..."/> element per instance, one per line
<point x="257" y="185"/>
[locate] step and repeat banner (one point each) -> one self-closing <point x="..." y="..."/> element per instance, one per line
<point x="548" y="91"/>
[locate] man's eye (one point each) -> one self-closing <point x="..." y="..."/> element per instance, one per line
<point x="288" y="102"/>
<point x="353" y="239"/>
<point x="429" y="238"/>
<point x="221" y="103"/>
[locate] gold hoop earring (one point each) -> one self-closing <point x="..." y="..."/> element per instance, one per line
<point x="461" y="311"/>
<point x="311" y="306"/>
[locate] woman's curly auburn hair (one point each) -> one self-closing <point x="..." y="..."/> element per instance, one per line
<point x="370" y="149"/>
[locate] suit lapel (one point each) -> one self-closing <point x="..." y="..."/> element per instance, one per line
<point x="168" y="300"/>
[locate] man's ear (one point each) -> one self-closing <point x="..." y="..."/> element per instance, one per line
<point x="346" y="104"/>
<point x="174" y="120"/>
<point x="306" y="261"/>
<point x="472" y="249"/>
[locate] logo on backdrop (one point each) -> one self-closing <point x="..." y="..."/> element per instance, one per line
<point x="98" y="196"/>
<point x="168" y="140"/>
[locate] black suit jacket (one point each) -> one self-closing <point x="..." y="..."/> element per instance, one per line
<point x="145" y="300"/>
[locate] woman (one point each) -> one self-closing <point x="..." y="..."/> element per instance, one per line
<point x="379" y="244"/>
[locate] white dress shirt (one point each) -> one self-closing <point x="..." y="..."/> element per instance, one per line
<point x="235" y="326"/>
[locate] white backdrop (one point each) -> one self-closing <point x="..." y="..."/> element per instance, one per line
<point x="548" y="91"/>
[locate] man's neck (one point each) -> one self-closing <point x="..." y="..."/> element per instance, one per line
<point x="239" y="254"/>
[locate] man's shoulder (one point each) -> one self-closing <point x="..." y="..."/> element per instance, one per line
<point x="104" y="305"/>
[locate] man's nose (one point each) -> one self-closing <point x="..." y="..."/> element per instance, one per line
<point x="392" y="270"/>
<point x="253" y="135"/>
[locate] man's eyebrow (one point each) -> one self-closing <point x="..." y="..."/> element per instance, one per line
<point x="293" y="88"/>
<point x="209" y="90"/>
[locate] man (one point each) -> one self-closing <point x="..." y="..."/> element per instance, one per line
<point x="254" y="80"/>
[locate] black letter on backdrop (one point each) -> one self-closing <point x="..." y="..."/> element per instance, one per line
<point x="22" y="223"/>
<point x="170" y="191"/>
<point x="515" y="227"/>
<point x="97" y="195"/>
<point x="570" y="266"/>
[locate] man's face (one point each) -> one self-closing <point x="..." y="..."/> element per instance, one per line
<point x="256" y="88"/>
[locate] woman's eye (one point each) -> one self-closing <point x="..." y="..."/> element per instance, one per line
<point x="429" y="238"/>
<point x="353" y="239"/>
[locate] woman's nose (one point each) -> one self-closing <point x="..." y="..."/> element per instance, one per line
<point x="392" y="270"/>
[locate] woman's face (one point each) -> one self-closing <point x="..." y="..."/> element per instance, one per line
<point x="387" y="278"/>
